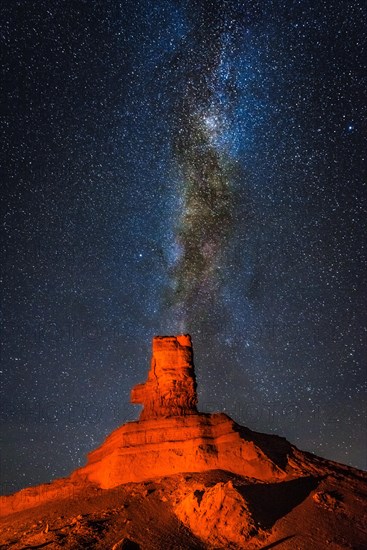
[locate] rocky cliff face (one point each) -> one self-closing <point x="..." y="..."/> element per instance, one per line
<point x="170" y="389"/>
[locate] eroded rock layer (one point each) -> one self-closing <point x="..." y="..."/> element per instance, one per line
<point x="171" y="436"/>
<point x="160" y="447"/>
<point x="198" y="481"/>
<point x="170" y="389"/>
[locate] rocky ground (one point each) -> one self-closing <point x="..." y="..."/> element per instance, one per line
<point x="211" y="510"/>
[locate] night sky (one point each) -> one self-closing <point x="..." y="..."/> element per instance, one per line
<point x="182" y="166"/>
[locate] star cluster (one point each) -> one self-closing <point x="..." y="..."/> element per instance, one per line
<point x="173" y="166"/>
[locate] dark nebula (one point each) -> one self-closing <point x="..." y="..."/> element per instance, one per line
<point x="206" y="95"/>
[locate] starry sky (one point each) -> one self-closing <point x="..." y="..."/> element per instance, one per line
<point x="182" y="166"/>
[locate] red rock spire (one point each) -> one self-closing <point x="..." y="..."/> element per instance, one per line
<point x="170" y="389"/>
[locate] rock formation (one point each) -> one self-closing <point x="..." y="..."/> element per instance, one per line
<point x="171" y="386"/>
<point x="177" y="478"/>
<point x="218" y="514"/>
<point x="171" y="436"/>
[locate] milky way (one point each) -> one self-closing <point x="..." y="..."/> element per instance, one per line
<point x="206" y="193"/>
<point x="206" y="98"/>
<point x="173" y="166"/>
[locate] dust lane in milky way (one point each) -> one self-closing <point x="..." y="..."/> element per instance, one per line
<point x="206" y="97"/>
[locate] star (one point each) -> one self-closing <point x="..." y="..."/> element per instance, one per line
<point x="181" y="166"/>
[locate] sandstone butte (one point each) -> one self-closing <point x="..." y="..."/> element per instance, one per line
<point x="171" y="438"/>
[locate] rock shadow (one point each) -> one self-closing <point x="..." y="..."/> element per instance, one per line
<point x="277" y="542"/>
<point x="277" y="448"/>
<point x="269" y="502"/>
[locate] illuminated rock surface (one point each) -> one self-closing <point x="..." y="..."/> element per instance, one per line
<point x="177" y="478"/>
<point x="171" y="386"/>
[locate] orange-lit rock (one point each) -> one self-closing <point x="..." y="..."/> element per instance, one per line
<point x="218" y="515"/>
<point x="177" y="478"/>
<point x="165" y="446"/>
<point x="171" y="386"/>
<point x="171" y="436"/>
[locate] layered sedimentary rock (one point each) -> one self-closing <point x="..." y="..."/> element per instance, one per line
<point x="171" y="436"/>
<point x="201" y="481"/>
<point x="165" y="446"/>
<point x="170" y="389"/>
